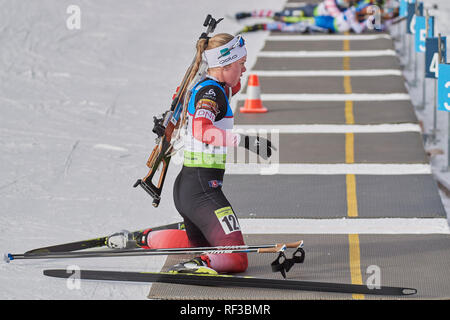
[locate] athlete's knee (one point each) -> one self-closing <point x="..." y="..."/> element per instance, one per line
<point x="242" y="263"/>
<point x="167" y="239"/>
<point x="228" y="262"/>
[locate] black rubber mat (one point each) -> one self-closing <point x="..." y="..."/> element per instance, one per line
<point x="326" y="260"/>
<point x="400" y="260"/>
<point x="324" y="196"/>
<point x="293" y="112"/>
<point x="408" y="196"/>
<point x="329" y="85"/>
<point x="331" y="63"/>
<point x="327" y="112"/>
<point x="372" y="112"/>
<point x="311" y="148"/>
<point x="332" y="45"/>
<point x="397" y="147"/>
<point x="417" y="261"/>
<point x="287" y="196"/>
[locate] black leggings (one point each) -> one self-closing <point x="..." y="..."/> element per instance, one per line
<point x="208" y="216"/>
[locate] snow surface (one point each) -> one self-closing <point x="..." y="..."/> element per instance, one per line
<point x="77" y="113"/>
<point x="76" y="120"/>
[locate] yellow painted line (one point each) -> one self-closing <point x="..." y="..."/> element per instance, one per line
<point x="349" y="147"/>
<point x="349" y="117"/>
<point x="346" y="61"/>
<point x="347" y="85"/>
<point x="352" y="203"/>
<point x="355" y="264"/>
<point x="346" y="43"/>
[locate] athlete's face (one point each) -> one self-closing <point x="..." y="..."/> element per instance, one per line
<point x="232" y="73"/>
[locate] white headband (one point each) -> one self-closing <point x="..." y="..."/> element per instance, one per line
<point x="226" y="54"/>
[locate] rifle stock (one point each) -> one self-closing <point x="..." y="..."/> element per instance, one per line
<point x="158" y="161"/>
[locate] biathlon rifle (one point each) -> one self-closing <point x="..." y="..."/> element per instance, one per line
<point x="165" y="127"/>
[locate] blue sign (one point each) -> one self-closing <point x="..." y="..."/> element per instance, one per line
<point x="411" y="17"/>
<point x="403" y="11"/>
<point x="444" y="87"/>
<point x="432" y="56"/>
<point x="421" y="35"/>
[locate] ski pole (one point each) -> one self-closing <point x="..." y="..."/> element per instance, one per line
<point x="136" y="252"/>
<point x="268" y="248"/>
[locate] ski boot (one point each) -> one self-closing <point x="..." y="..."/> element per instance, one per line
<point x="121" y="240"/>
<point x="141" y="239"/>
<point x="195" y="265"/>
<point x="128" y="240"/>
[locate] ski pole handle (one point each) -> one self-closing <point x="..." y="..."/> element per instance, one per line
<point x="293" y="244"/>
<point x="277" y="248"/>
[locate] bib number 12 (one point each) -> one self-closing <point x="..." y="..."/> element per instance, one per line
<point x="228" y="220"/>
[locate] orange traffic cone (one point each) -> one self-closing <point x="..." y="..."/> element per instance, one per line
<point x="253" y="103"/>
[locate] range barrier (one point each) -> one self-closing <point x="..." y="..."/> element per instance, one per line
<point x="419" y="41"/>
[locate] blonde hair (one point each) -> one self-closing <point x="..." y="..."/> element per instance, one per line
<point x="218" y="40"/>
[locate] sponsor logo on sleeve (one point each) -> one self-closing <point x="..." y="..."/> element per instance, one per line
<point x="207" y="104"/>
<point x="202" y="113"/>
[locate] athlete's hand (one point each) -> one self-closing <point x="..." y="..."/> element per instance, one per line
<point x="261" y="146"/>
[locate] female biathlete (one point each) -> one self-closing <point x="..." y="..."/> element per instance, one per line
<point x="208" y="216"/>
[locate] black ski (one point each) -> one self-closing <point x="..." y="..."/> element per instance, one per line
<point x="225" y="281"/>
<point x="93" y="243"/>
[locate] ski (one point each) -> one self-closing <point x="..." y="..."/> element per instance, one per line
<point x="93" y="243"/>
<point x="225" y="281"/>
<point x="265" y="248"/>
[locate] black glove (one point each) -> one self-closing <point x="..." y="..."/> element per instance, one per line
<point x="258" y="145"/>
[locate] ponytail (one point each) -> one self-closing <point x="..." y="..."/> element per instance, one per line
<point x="201" y="46"/>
